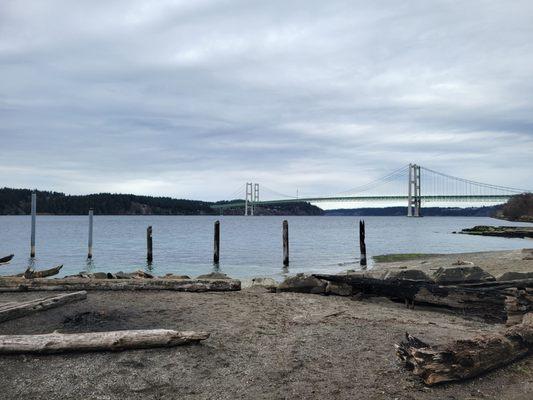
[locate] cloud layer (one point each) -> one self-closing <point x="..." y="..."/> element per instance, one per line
<point x="194" y="98"/>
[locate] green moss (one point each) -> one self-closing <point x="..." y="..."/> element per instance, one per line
<point x="384" y="258"/>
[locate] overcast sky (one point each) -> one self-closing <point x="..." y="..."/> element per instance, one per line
<point x="193" y="98"/>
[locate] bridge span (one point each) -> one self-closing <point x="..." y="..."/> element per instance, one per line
<point x="441" y="188"/>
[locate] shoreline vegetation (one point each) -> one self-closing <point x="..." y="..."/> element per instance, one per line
<point x="17" y="202"/>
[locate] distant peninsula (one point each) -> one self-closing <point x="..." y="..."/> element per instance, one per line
<point x="17" y="202"/>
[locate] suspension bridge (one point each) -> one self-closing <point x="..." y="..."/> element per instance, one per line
<point x="438" y="187"/>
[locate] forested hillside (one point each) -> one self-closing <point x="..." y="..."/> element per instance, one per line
<point x="17" y="201"/>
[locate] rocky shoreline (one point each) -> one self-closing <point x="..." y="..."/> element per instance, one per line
<point x="500" y="231"/>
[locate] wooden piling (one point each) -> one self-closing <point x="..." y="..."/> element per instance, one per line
<point x="90" y="244"/>
<point x="149" y="254"/>
<point x="362" y="245"/>
<point x="216" y="249"/>
<point x="33" y="219"/>
<point x="285" y="243"/>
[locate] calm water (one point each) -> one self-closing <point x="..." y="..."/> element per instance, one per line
<point x="250" y="246"/>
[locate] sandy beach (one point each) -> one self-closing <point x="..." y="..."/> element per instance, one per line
<point x="263" y="345"/>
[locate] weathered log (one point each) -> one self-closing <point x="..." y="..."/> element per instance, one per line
<point x="464" y="359"/>
<point x="97" y="341"/>
<point x="16" y="310"/>
<point x="68" y="284"/>
<point x="31" y="274"/>
<point x="491" y="301"/>
<point x="6" y="259"/>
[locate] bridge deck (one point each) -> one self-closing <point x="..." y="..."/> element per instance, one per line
<point x="429" y="198"/>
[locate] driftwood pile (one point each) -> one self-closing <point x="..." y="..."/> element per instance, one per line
<point x="509" y="302"/>
<point x="92" y="341"/>
<point x="464" y="359"/>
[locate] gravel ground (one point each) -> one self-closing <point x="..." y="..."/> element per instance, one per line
<point x="262" y="346"/>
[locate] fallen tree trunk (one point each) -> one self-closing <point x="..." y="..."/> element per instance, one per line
<point x="31" y="274"/>
<point x="68" y="284"/>
<point x="97" y="341"/>
<point x="16" y="310"/>
<point x="493" y="303"/>
<point x="464" y="359"/>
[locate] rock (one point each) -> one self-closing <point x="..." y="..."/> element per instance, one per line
<point x="339" y="289"/>
<point x="512" y="276"/>
<point x="172" y="276"/>
<point x="462" y="262"/>
<point x="213" y="275"/>
<point x="412" y="274"/>
<point x="302" y="283"/>
<point x="139" y="274"/>
<point x="98" y="275"/>
<point x="267" y="283"/>
<point x="466" y="274"/>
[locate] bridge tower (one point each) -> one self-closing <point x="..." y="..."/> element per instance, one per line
<point x="248" y="202"/>
<point x="255" y="196"/>
<point x="252" y="197"/>
<point x="414" y="194"/>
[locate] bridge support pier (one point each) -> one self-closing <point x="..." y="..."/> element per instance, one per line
<point x="414" y="196"/>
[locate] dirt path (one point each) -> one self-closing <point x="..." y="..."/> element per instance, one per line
<point x="263" y="346"/>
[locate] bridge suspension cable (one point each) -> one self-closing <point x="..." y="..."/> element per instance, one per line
<point x="392" y="176"/>
<point x="266" y="188"/>
<point x="438" y="182"/>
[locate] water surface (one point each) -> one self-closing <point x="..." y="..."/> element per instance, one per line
<point x="250" y="246"/>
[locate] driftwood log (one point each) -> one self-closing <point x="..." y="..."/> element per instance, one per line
<point x="30" y="273"/>
<point x="6" y="259"/>
<point x="503" y="302"/>
<point x="97" y="341"/>
<point x="464" y="359"/>
<point x="68" y="284"/>
<point x="16" y="310"/>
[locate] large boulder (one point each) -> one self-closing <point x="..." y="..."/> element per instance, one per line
<point x="302" y="283"/>
<point x="139" y="274"/>
<point x="463" y="274"/>
<point x="213" y="275"/>
<point x="172" y="276"/>
<point x="411" y="274"/>
<point x="267" y="283"/>
<point x="100" y="275"/>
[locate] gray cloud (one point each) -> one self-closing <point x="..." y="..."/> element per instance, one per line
<point x="192" y="99"/>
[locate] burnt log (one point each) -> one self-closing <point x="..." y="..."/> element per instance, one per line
<point x="465" y="359"/>
<point x="491" y="301"/>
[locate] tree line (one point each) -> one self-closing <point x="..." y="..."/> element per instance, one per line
<point x="18" y="202"/>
